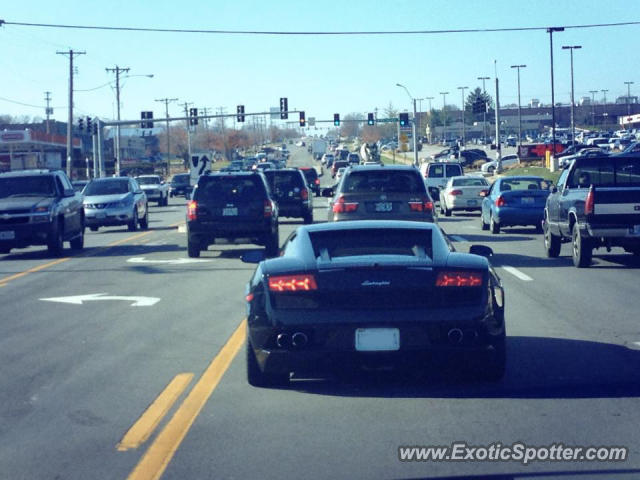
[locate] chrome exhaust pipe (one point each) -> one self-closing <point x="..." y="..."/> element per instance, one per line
<point x="283" y="340"/>
<point x="299" y="339"/>
<point x="455" y="336"/>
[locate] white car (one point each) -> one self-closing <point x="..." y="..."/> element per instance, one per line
<point x="463" y="193"/>
<point x="507" y="161"/>
<point x="156" y="189"/>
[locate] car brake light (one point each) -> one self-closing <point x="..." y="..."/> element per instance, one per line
<point x="292" y="283"/>
<point x="192" y="210"/>
<point x="344" y="207"/>
<point x="317" y="181"/>
<point x="455" y="192"/>
<point x="268" y="208"/>
<point x="304" y="194"/>
<point x="425" y="205"/>
<point x="249" y="297"/>
<point x="500" y="202"/>
<point x="588" y="203"/>
<point x="459" y="279"/>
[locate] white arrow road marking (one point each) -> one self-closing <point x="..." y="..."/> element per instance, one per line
<point x="80" y="299"/>
<point x="517" y="273"/>
<point x="175" y="261"/>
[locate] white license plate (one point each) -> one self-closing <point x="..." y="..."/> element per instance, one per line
<point x="527" y="200"/>
<point x="377" y="339"/>
<point x="384" y="206"/>
<point x="7" y="235"/>
<point x="635" y="230"/>
<point x="230" y="211"/>
<point x="472" y="203"/>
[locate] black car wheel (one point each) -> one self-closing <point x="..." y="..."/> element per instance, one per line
<point x="582" y="250"/>
<point x="55" y="241"/>
<point x="483" y="225"/>
<point x="552" y="243"/>
<point x="495" y="226"/>
<point x="78" y="242"/>
<point x="94" y="229"/>
<point x="256" y="377"/>
<point x="193" y="249"/>
<point x="272" y="244"/>
<point x="144" y="221"/>
<point x="308" y="218"/>
<point x="447" y="211"/>
<point x="133" y="224"/>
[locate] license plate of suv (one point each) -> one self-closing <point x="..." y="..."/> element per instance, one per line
<point x="383" y="206"/>
<point x="377" y="339"/>
<point x="230" y="211"/>
<point x="7" y="235"/>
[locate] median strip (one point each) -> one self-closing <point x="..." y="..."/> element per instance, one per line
<point x="152" y="416"/>
<point x="161" y="451"/>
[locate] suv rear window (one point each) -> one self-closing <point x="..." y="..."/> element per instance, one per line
<point x="284" y="181"/>
<point x="385" y="241"/>
<point x="310" y="174"/>
<point x="606" y="172"/>
<point x="182" y="178"/>
<point x="386" y="180"/>
<point x="229" y="188"/>
<point x="439" y="171"/>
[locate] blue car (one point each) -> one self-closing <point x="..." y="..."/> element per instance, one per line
<point x="514" y="201"/>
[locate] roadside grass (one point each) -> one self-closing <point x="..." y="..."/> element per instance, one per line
<point x="219" y="164"/>
<point x="533" y="170"/>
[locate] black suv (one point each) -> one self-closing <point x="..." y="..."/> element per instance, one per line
<point x="290" y="190"/>
<point x="235" y="206"/>
<point x="180" y="185"/>
<point x="313" y="180"/>
<point x="40" y="207"/>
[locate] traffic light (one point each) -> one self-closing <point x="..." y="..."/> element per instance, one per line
<point x="147" y="119"/>
<point x="240" y="113"/>
<point x="81" y="124"/>
<point x="336" y="119"/>
<point x="89" y="125"/>
<point x="370" y="119"/>
<point x="479" y="106"/>
<point x="193" y="114"/>
<point x="95" y="128"/>
<point x="303" y="121"/>
<point x="284" y="108"/>
<point x="404" y="119"/>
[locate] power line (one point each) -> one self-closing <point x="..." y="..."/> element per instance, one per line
<point x="318" y="32"/>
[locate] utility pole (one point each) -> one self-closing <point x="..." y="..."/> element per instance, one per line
<point x="444" y="114"/>
<point x="166" y="110"/>
<point x="519" y="107"/>
<point x="498" y="168"/>
<point x="484" y="113"/>
<point x="628" y="84"/>
<point x="186" y="114"/>
<point x="221" y="111"/>
<point x="430" y="118"/>
<point x="48" y="110"/>
<point x="462" y="89"/>
<point x="117" y="70"/>
<point x="553" y="99"/>
<point x="573" y="102"/>
<point x="593" y="106"/>
<point x="70" y="53"/>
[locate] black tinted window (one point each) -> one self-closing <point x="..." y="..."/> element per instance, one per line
<point x="349" y="243"/>
<point x="180" y="179"/>
<point x="229" y="188"/>
<point x="454" y="170"/>
<point x="606" y="172"/>
<point x="284" y="181"/>
<point x="16" y="186"/>
<point x="148" y="180"/>
<point x="384" y="181"/>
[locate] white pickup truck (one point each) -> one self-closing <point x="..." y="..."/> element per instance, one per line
<point x="156" y="189"/>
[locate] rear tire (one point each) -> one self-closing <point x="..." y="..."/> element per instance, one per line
<point x="483" y="225"/>
<point x="144" y="221"/>
<point x="582" y="250"/>
<point x="94" y="229"/>
<point x="495" y="226"/>
<point x="272" y="244"/>
<point x="193" y="249"/>
<point x="447" y="212"/>
<point x="133" y="224"/>
<point x="308" y="218"/>
<point x="256" y="377"/>
<point x="78" y="242"/>
<point x="552" y="242"/>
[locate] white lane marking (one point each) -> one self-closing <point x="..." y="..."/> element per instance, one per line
<point x="80" y="299"/>
<point x="176" y="261"/>
<point x="457" y="238"/>
<point x="182" y="229"/>
<point x="517" y="273"/>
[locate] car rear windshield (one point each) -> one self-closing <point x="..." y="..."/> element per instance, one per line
<point x="439" y="170"/>
<point x="229" y="188"/>
<point x="606" y="172"/>
<point x="340" y="164"/>
<point x="148" y="180"/>
<point x="523" y="184"/>
<point x="107" y="187"/>
<point x="310" y="173"/>
<point x="469" y="182"/>
<point x="387" y="180"/>
<point x="180" y="179"/>
<point x="284" y="181"/>
<point x="18" y="186"/>
<point x="379" y="241"/>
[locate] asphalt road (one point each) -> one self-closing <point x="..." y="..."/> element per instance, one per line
<point x="76" y="378"/>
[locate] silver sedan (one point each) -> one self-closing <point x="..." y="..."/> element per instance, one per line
<point x="463" y="193"/>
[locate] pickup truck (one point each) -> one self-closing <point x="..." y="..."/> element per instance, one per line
<point x="156" y="189"/>
<point x="595" y="204"/>
<point x="40" y="207"/>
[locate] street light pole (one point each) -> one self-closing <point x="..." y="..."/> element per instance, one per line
<point x="553" y="99"/>
<point x="519" y="105"/>
<point x="462" y="89"/>
<point x="415" y="140"/>
<point x="430" y="122"/>
<point x="593" y="106"/>
<point x="166" y="107"/>
<point x="444" y="114"/>
<point x="628" y="84"/>
<point x="484" y="113"/>
<point x="571" y="48"/>
<point x="604" y="97"/>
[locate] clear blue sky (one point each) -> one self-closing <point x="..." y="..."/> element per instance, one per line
<point x="320" y="74"/>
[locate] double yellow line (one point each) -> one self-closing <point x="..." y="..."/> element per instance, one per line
<point x="157" y="457"/>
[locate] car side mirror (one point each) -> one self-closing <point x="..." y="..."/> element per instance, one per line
<point x="69" y="192"/>
<point x="481" y="250"/>
<point x="327" y="192"/>
<point x="253" y="256"/>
